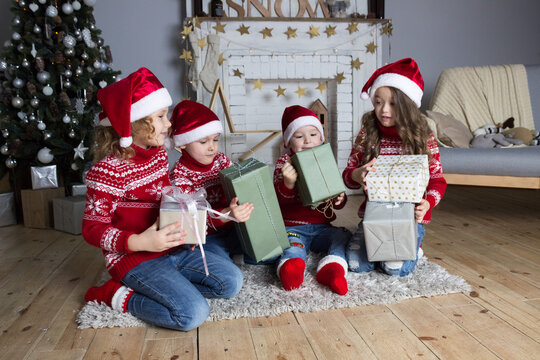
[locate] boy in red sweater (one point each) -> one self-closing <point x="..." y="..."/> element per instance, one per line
<point x="196" y="131"/>
<point x="395" y="127"/>
<point x="307" y="228"/>
<point x="154" y="277"/>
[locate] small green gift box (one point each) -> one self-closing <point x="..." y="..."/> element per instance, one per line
<point x="263" y="236"/>
<point x="318" y="175"/>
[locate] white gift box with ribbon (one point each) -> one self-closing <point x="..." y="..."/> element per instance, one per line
<point x="398" y="178"/>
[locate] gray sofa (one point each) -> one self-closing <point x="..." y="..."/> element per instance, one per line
<point x="503" y="167"/>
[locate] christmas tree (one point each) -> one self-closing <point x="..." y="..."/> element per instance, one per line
<point x="50" y="72"/>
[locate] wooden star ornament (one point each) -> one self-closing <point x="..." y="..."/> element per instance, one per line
<point x="387" y="29"/>
<point x="280" y="91"/>
<point x="370" y="48"/>
<point x="301" y="91"/>
<point x="353" y="27"/>
<point x="322" y="86"/>
<point x="187" y="30"/>
<point x="186" y="55"/>
<point x="219" y="27"/>
<point x="313" y="32"/>
<point x="339" y="77"/>
<point x="291" y="33"/>
<point x="266" y="32"/>
<point x="236" y="72"/>
<point x="258" y="84"/>
<point x="356" y="63"/>
<point x="330" y="30"/>
<point x="243" y="29"/>
<point x="201" y="43"/>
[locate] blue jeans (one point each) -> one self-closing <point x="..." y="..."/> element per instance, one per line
<point x="317" y="238"/>
<point x="170" y="291"/>
<point x="357" y="254"/>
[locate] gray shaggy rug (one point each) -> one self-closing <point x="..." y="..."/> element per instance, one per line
<point x="262" y="294"/>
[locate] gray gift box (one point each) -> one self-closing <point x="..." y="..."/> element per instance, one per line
<point x="68" y="213"/>
<point x="390" y="231"/>
<point x="7" y="209"/>
<point x="44" y="177"/>
<point x="78" y="189"/>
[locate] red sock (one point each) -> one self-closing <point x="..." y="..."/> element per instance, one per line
<point x="106" y="292"/>
<point x="333" y="275"/>
<point x="291" y="273"/>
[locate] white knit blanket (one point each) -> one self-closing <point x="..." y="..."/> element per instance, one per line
<point x="483" y="95"/>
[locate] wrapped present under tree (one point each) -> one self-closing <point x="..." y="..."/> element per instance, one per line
<point x="37" y="206"/>
<point x="263" y="236"/>
<point x="7" y="209"/>
<point x="318" y="175"/>
<point x="68" y="213"/>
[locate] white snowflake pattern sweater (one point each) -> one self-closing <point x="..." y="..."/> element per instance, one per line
<point x="123" y="198"/>
<point x="190" y="176"/>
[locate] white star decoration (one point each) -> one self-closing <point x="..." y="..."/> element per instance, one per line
<point x="79" y="151"/>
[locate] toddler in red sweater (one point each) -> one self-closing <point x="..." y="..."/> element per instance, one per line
<point x="307" y="228"/>
<point x="196" y="131"/>
<point x="154" y="276"/>
<point x="395" y="126"/>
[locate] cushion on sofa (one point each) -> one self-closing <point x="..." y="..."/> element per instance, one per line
<point x="450" y="131"/>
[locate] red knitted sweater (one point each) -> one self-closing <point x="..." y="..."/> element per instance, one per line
<point x="292" y="209"/>
<point x="391" y="145"/>
<point x="123" y="199"/>
<point x="190" y="175"/>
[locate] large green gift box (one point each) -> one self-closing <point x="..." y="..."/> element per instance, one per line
<point x="263" y="236"/>
<point x="318" y="175"/>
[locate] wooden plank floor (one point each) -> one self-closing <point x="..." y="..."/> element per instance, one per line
<point x="489" y="236"/>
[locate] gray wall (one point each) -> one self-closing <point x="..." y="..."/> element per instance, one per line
<point x="437" y="33"/>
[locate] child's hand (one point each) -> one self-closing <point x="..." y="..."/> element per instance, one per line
<point x="155" y="240"/>
<point x="240" y="212"/>
<point x="339" y="199"/>
<point x="359" y="174"/>
<point x="289" y="175"/>
<point x="421" y="209"/>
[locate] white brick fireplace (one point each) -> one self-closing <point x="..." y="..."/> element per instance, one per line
<point x="303" y="62"/>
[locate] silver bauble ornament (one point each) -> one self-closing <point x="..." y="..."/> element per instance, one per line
<point x="34" y="102"/>
<point x="51" y="11"/>
<point x="97" y="64"/>
<point x="20" y="47"/>
<point x="69" y="41"/>
<point x="22" y="115"/>
<point x="4" y="149"/>
<point x="69" y="52"/>
<point x="36" y="29"/>
<point x="44" y="155"/>
<point x="75" y="121"/>
<point x="25" y="63"/>
<point x="79" y="71"/>
<point x="32" y="117"/>
<point x="103" y="66"/>
<point x="3" y="65"/>
<point x="11" y="162"/>
<point x="67" y="8"/>
<point x="43" y="76"/>
<point x="76" y="5"/>
<point x="72" y="134"/>
<point x="17" y="102"/>
<point x="92" y="27"/>
<point x="100" y="41"/>
<point x="74" y="166"/>
<point x="42" y="1"/>
<point x="16" y="36"/>
<point x="90" y="2"/>
<point x="66" y="119"/>
<point x="84" y="56"/>
<point x="41" y="125"/>
<point x="16" y="21"/>
<point x="67" y="84"/>
<point x="47" y="90"/>
<point x="18" y="83"/>
<point x="68" y="73"/>
<point x="22" y="3"/>
<point x="47" y="135"/>
<point x="5" y="133"/>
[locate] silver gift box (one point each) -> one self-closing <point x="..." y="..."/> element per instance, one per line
<point x="7" y="209"/>
<point x="78" y="189"/>
<point x="68" y="213"/>
<point x="44" y="177"/>
<point x="390" y="231"/>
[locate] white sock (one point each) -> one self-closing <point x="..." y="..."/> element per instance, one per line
<point x="394" y="265"/>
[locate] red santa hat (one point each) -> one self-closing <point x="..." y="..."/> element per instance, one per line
<point x="192" y="121"/>
<point x="296" y="116"/>
<point x="402" y="74"/>
<point x="131" y="99"/>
